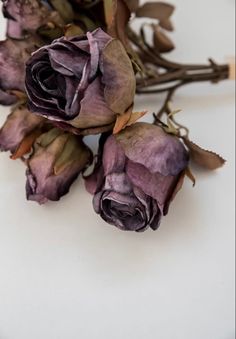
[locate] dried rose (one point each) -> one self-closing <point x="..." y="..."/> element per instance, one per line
<point x="21" y="128"/>
<point x="27" y="16"/>
<point x="13" y="55"/>
<point x="138" y="174"/>
<point x="83" y="83"/>
<point x="57" y="160"/>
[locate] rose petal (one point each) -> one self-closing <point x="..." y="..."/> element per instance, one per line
<point x="152" y="147"/>
<point x="93" y="109"/>
<point x="157" y="186"/>
<point x="118" y="77"/>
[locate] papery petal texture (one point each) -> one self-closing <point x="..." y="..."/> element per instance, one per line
<point x="13" y="55"/>
<point x="57" y="160"/>
<point x="137" y="175"/>
<point x="81" y="83"/>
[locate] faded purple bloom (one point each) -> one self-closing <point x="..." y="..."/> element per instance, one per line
<point x="19" y="125"/>
<point x="138" y="173"/>
<point x="57" y="160"/>
<point x="13" y="55"/>
<point x="26" y="16"/>
<point x="81" y="83"/>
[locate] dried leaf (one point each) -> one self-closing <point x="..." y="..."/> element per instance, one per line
<point x="20" y="95"/>
<point x="167" y="24"/>
<point x="64" y="8"/>
<point x="132" y="5"/>
<point x="135" y="117"/>
<point x="126" y="120"/>
<point x="202" y="157"/>
<point x="73" y="30"/>
<point x="50" y="31"/>
<point x="109" y="9"/>
<point x="156" y="10"/>
<point x="122" y="121"/>
<point x="117" y="17"/>
<point x="88" y="24"/>
<point x="161" y="41"/>
<point x="190" y="175"/>
<point x="26" y="144"/>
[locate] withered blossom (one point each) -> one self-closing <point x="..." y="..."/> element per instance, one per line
<point x="13" y="56"/>
<point x="27" y="16"/>
<point x="57" y="160"/>
<point x="81" y="83"/>
<point x="139" y="171"/>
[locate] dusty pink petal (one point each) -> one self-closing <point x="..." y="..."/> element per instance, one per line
<point x="56" y="162"/>
<point x="155" y="185"/>
<point x="94" y="111"/>
<point x="94" y="181"/>
<point x="13" y="55"/>
<point x="113" y="157"/>
<point x="26" y="16"/>
<point x="123" y="211"/>
<point x="153" y="148"/>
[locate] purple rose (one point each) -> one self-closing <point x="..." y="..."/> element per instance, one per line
<point x="81" y="83"/>
<point x="57" y="160"/>
<point x="13" y="55"/>
<point x="27" y="16"/>
<point x="20" y="124"/>
<point x="138" y="173"/>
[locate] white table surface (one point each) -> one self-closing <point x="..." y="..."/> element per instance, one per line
<point x="65" y="274"/>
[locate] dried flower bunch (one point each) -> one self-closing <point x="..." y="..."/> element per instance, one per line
<point x="71" y="69"/>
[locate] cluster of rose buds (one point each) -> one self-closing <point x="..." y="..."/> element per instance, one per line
<point x="71" y="68"/>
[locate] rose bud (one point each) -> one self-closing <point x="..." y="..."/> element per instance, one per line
<point x="20" y="126"/>
<point x="139" y="171"/>
<point x="81" y="83"/>
<point x="27" y="16"/>
<point x="57" y="160"/>
<point x="13" y="55"/>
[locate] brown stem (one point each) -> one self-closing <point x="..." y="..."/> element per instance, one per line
<point x="174" y="72"/>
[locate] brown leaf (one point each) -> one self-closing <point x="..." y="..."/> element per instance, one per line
<point x="26" y="144"/>
<point x="109" y="9"/>
<point x="64" y="8"/>
<point x="167" y="24"/>
<point x="156" y="10"/>
<point x="161" y="41"/>
<point x="126" y="120"/>
<point x="117" y="16"/>
<point x="122" y="121"/>
<point x="135" y="117"/>
<point x="132" y="5"/>
<point x="73" y="30"/>
<point x="190" y="175"/>
<point x="202" y="157"/>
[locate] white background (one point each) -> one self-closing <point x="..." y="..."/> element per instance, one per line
<point x="65" y="274"/>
